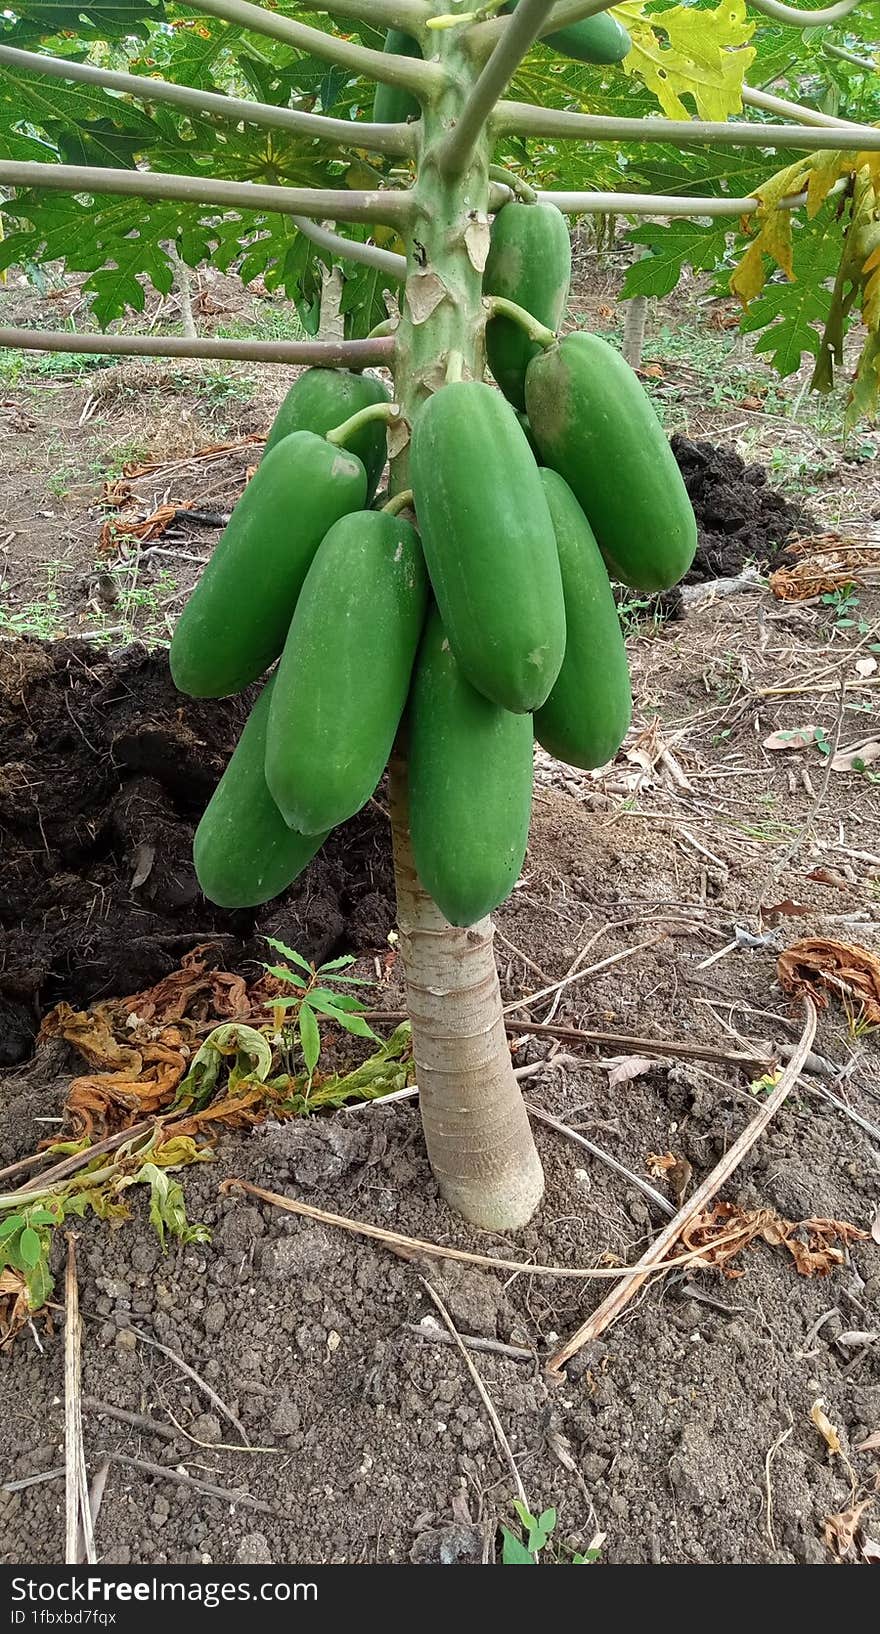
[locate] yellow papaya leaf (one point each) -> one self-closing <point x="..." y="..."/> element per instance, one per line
<point x="178" y="1151"/>
<point x="747" y="280"/>
<point x="773" y="237"/>
<point x="871" y="290"/>
<point x="826" y="169"/>
<point x="685" y="52"/>
<point x="865" y="392"/>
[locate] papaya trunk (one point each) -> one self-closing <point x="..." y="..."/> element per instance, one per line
<point x="476" y="1128"/>
<point x="636" y="310"/>
<point x="183" y="285"/>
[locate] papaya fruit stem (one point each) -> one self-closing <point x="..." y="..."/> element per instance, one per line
<point x="449" y="19"/>
<point x="498" y="307"/>
<point x="399" y="502"/>
<point x="386" y="327"/>
<point x="508" y="178"/>
<point x="374" y="411"/>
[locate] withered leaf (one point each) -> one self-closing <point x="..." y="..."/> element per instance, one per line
<point x="825" y="1427"/>
<point x="820" y="967"/>
<point x="795" y="737"/>
<point x="659" y="1163"/>
<point x="722" y="1231"/>
<point x="856" y="757"/>
<point x="841" y="1531"/>
<point x="830" y="876"/>
<point x="787" y="909"/>
<point x="15" y="1310"/>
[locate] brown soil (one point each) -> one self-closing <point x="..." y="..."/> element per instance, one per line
<point x="661" y="1434"/>
<point x="740" y="517"/>
<point x="381" y="1446"/>
<point x="106" y="771"/>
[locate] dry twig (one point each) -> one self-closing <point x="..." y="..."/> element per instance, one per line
<point x="663" y="1048"/>
<point x="636" y="1180"/>
<point x="579" y="975"/>
<point x="493" y="1347"/>
<point x="95" y="1499"/>
<point x="33" y="1480"/>
<point x="411" y="1247"/>
<point x="612" y="1306"/>
<point x="486" y="1399"/>
<point x="203" y="1384"/>
<point x="768" y="1491"/>
<point x="225" y="1494"/>
<point x="154" y="1426"/>
<point x="674" y="1048"/>
<point x="76" y="1500"/>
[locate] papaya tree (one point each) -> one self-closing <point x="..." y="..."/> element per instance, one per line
<point x="443" y="625"/>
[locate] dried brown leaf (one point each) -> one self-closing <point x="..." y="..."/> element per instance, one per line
<point x="857" y="756"/>
<point x="15" y="1311"/>
<point x="830" y="876"/>
<point x="771" y="913"/>
<point x="808" y="580"/>
<point x="871" y="1444"/>
<point x="825" y="1427"/>
<point x="819" y="967"/>
<point x="842" y="1531"/>
<point x="794" y="737"/>
<point x="139" y="1047"/>
<point x="118" y="530"/>
<point x="659" y="1163"/>
<point x="721" y="1233"/>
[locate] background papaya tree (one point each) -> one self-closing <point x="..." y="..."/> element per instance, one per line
<point x="238" y="133"/>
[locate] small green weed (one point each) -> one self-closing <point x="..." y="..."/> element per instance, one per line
<point x="537" y="1536"/>
<point x="27" y="1222"/>
<point x="237" y="1078"/>
<point x="16" y="368"/>
<point x="218" y="387"/>
<point x="296" y="1014"/>
<point x="637" y="614"/>
<point x="267" y="322"/>
<point x="25" y="1240"/>
<point x="43" y="617"/>
<point x="846" y="610"/>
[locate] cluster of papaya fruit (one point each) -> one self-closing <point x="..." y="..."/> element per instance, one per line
<point x="492" y="624"/>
